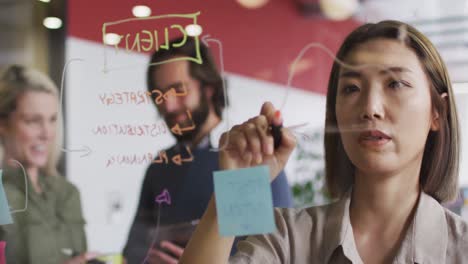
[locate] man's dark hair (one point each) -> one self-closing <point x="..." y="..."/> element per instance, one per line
<point x="206" y="73"/>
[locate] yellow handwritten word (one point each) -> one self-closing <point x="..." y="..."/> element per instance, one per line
<point x="126" y="97"/>
<point x="150" y="130"/>
<point x="153" y="40"/>
<point x="147" y="40"/>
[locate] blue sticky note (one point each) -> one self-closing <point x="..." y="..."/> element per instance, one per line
<point x="5" y="215"/>
<point x="244" y="202"/>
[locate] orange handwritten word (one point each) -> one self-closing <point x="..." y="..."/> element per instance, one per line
<point x="150" y="130"/>
<point x="126" y="97"/>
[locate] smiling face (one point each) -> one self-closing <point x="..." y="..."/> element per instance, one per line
<point x="383" y="110"/>
<point x="29" y="132"/>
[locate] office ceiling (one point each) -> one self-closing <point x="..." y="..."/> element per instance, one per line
<point x="444" y="21"/>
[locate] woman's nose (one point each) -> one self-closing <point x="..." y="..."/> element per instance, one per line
<point x="372" y="105"/>
<point x="47" y="130"/>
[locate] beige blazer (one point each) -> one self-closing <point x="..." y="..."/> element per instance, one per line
<point x="324" y="235"/>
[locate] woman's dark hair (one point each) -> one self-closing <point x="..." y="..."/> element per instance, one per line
<point x="439" y="170"/>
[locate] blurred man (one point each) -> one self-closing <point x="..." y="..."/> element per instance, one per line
<point x="190" y="97"/>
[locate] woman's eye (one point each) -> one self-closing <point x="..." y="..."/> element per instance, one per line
<point x="350" y="89"/>
<point x="32" y="121"/>
<point x="397" y="84"/>
<point x="53" y="119"/>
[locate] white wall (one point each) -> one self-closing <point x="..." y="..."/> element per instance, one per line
<point x="100" y="185"/>
<point x="461" y="99"/>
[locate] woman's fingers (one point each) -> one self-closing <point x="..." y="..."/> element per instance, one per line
<point x="288" y="141"/>
<point x="262" y="126"/>
<point x="268" y="110"/>
<point x="252" y="143"/>
<point x="173" y="248"/>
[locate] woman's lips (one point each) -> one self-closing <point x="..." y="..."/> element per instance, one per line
<point x="373" y="138"/>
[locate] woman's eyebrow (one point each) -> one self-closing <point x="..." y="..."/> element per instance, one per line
<point x="389" y="70"/>
<point x="396" y="69"/>
<point x="350" y="74"/>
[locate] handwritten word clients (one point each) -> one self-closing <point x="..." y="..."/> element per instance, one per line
<point x="148" y="38"/>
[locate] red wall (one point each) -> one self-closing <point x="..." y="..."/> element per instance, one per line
<point x="258" y="43"/>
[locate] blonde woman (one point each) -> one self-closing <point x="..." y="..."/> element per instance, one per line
<point x="391" y="153"/>
<point x="51" y="230"/>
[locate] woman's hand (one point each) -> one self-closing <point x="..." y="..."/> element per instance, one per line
<point x="251" y="144"/>
<point x="159" y="257"/>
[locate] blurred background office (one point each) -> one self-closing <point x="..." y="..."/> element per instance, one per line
<point x="254" y="41"/>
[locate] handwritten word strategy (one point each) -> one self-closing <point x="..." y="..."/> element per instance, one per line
<point x="159" y="97"/>
<point x="138" y="97"/>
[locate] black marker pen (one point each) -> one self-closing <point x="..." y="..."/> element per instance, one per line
<point x="276" y="131"/>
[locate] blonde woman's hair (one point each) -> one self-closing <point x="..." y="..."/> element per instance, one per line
<point x="15" y="80"/>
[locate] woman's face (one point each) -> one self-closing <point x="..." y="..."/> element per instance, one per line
<point x="30" y="130"/>
<point x="384" y="110"/>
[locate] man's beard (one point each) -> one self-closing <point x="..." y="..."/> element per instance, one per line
<point x="199" y="116"/>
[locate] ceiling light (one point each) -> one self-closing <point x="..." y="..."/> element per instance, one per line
<point x="338" y="9"/>
<point x="141" y="11"/>
<point x="45" y="1"/>
<point x="252" y="4"/>
<point x="52" y="22"/>
<point x="111" y="39"/>
<point x="193" y="30"/>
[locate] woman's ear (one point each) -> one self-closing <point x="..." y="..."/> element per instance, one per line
<point x="435" y="123"/>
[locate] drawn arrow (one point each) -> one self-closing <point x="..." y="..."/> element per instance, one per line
<point x="87" y="151"/>
<point x="164" y="197"/>
<point x="11" y="162"/>
<point x="178" y="130"/>
<point x="206" y="39"/>
<point x="190" y="158"/>
<point x="177" y="159"/>
<point x="173" y="92"/>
